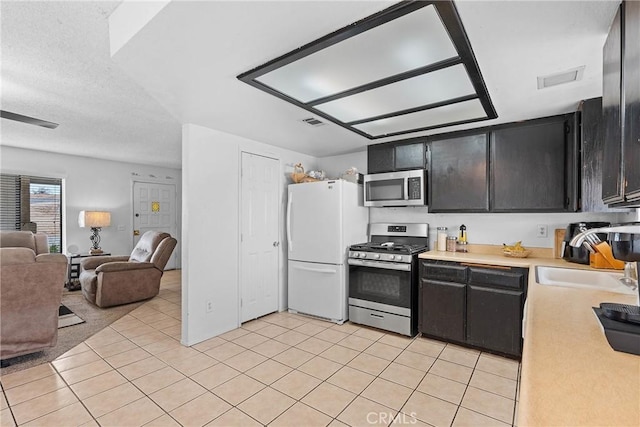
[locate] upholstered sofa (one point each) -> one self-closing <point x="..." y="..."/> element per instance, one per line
<point x="31" y="284"/>
<point x="114" y="280"/>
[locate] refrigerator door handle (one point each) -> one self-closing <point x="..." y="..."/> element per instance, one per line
<point x="289" y="240"/>
<point x="317" y="270"/>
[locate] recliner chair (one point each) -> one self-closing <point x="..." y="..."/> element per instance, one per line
<point x="114" y="280"/>
<point x="31" y="287"/>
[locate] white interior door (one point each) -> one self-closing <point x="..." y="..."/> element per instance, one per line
<point x="154" y="209"/>
<point x="259" y="236"/>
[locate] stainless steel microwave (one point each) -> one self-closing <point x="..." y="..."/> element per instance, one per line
<point x="405" y="188"/>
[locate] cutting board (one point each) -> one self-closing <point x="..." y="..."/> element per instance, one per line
<point x="558" y="247"/>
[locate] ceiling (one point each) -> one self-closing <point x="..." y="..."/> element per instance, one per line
<point x="181" y="67"/>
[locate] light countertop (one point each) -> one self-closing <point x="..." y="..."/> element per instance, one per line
<point x="570" y="375"/>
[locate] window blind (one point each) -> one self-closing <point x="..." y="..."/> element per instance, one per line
<point x="9" y="202"/>
<point x="32" y="203"/>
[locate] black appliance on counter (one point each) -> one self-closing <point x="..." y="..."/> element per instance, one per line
<point x="621" y="322"/>
<point x="383" y="277"/>
<point x="580" y="255"/>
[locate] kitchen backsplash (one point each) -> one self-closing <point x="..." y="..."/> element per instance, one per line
<point x="496" y="228"/>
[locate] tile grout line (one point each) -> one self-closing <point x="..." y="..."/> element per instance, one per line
<point x="314" y="354"/>
<point x="58" y="373"/>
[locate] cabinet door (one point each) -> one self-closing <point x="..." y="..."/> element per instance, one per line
<point x="592" y="146"/>
<point x="612" y="173"/>
<point x="409" y="156"/>
<point x="632" y="101"/>
<point x="494" y="319"/>
<point x="380" y="158"/>
<point x="441" y="309"/>
<point x="529" y="167"/>
<point x="458" y="172"/>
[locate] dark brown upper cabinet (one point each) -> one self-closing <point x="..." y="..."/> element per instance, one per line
<point x="529" y="166"/>
<point x="621" y="108"/>
<point x="591" y="153"/>
<point x="534" y="166"/>
<point x="631" y="144"/>
<point x="459" y="170"/>
<point x="392" y="157"/>
<point x="612" y="173"/>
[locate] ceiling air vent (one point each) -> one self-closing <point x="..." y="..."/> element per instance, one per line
<point x="568" y="76"/>
<point x="312" y="121"/>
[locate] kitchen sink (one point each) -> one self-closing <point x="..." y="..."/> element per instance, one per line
<point x="589" y="279"/>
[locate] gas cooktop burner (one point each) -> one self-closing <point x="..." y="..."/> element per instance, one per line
<point x="388" y="247"/>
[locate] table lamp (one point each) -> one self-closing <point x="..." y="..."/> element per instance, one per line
<point x="94" y="220"/>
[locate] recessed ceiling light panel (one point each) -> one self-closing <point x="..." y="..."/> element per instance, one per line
<point x="393" y="67"/>
<point x="408" y="42"/>
<point x="461" y="112"/>
<point x="425" y="89"/>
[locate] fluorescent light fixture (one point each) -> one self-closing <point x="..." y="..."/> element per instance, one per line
<point x="568" y="76"/>
<point x="405" y="69"/>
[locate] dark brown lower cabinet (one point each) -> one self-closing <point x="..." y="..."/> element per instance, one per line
<point x="494" y="319"/>
<point x="471" y="304"/>
<point x="446" y="324"/>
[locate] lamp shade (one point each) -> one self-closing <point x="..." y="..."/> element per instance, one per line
<point x="94" y="219"/>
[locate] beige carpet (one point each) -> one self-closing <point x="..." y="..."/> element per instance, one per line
<point x="95" y="318"/>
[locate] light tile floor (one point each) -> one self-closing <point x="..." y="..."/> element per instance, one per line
<point x="280" y="370"/>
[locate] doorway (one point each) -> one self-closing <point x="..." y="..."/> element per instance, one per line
<point x="154" y="208"/>
<point x="259" y="239"/>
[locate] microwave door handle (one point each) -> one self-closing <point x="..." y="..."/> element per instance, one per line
<point x="406" y="188"/>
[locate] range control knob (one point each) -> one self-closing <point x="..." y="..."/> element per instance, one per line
<point x="392" y="257"/>
<point x="399" y="258"/>
<point x="377" y="256"/>
<point x="362" y="255"/>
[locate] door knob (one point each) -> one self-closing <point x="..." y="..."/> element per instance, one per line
<point x="136" y="232"/>
<point x="276" y="244"/>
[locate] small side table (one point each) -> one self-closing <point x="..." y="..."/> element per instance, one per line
<point x="73" y="284"/>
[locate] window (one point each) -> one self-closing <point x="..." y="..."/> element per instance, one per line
<point x="32" y="203"/>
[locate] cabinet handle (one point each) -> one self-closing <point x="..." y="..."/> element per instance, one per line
<point x="494" y="267"/>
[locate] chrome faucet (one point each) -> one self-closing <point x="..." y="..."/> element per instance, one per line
<point x="630" y="278"/>
<point x="578" y="239"/>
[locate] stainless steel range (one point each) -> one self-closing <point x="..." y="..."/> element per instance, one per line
<point x="383" y="277"/>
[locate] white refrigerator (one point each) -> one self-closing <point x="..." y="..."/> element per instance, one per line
<point x="323" y="219"/>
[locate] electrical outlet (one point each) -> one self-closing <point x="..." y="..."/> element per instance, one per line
<point x="209" y="307"/>
<point x="541" y="230"/>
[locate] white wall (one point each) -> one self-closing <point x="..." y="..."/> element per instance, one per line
<point x="493" y="229"/>
<point x="335" y="166"/>
<point x="92" y="184"/>
<point x="211" y="227"/>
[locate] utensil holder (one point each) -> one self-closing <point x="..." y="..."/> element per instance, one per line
<point x="597" y="260"/>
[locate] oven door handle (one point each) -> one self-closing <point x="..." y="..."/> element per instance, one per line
<point x="377" y="264"/>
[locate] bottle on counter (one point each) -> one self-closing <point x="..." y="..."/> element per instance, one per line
<point x="462" y="239"/>
<point x="451" y="243"/>
<point x="463" y="234"/>
<point x="441" y="244"/>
